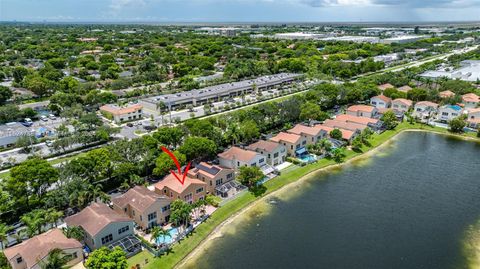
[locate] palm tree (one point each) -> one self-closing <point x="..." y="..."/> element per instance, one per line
<point x="74" y="232"/>
<point x="34" y="221"/>
<point x="232" y="133"/>
<point x="4" y="229"/>
<point x="53" y="216"/>
<point x="157" y="232"/>
<point x="56" y="259"/>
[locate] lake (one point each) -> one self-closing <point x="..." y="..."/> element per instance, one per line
<point x="414" y="204"/>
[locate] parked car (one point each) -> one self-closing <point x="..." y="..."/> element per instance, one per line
<point x="52" y="117"/>
<point x="49" y="143"/>
<point x="44" y="118"/>
<point x="27" y="122"/>
<point x="130" y="124"/>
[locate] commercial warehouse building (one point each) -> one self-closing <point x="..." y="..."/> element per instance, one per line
<point x="218" y="92"/>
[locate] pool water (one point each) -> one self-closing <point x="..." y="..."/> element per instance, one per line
<point x="308" y="158"/>
<point x="168" y="239"/>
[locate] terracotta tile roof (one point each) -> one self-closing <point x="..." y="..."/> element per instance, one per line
<point x="471" y="97"/>
<point x="344" y="125"/>
<point x="238" y="154"/>
<point x="346" y="134"/>
<point x="383" y="98"/>
<point x="138" y="197"/>
<point x="300" y="129"/>
<point x="382" y="110"/>
<point x="121" y="110"/>
<point x="38" y="247"/>
<point x="473" y="110"/>
<point x="290" y="138"/>
<point x="446" y="94"/>
<point x="207" y="170"/>
<point x="426" y="103"/>
<point x="385" y="86"/>
<point x="355" y="119"/>
<point x="95" y="217"/>
<point x="173" y="184"/>
<point x="267" y="146"/>
<point x="405" y="88"/>
<point x="403" y="101"/>
<point x="363" y="108"/>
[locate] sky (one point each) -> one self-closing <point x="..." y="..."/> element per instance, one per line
<point x="239" y="10"/>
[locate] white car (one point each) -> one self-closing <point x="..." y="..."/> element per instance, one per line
<point x="52" y="117"/>
<point x="44" y="118"/>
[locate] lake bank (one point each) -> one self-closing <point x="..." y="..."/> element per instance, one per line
<point x="185" y="249"/>
<point x="407" y="194"/>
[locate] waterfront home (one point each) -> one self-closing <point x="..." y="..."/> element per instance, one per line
<point x="34" y="252"/>
<point x="446" y="94"/>
<point x="385" y="86"/>
<point x="405" y="89"/>
<point x="120" y="114"/>
<point x="470" y="100"/>
<point x="311" y="134"/>
<point x="145" y="207"/>
<point x="354" y="119"/>
<point x="293" y="142"/>
<point x="362" y="111"/>
<point x="473" y="118"/>
<point x="401" y="104"/>
<point x="381" y="101"/>
<point x="347" y="135"/>
<point x="276" y="153"/>
<point x="425" y="110"/>
<point x="102" y="226"/>
<point x="236" y="157"/>
<point x="351" y="126"/>
<point x="448" y="112"/>
<point x="213" y="175"/>
<point x="190" y="191"/>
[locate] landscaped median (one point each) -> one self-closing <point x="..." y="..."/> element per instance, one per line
<point x="180" y="250"/>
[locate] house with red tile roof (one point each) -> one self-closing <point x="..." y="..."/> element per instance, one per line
<point x="425" y="110"/>
<point x="362" y="111"/>
<point x="101" y="225"/>
<point x="401" y="104"/>
<point x="346" y="134"/>
<point x="145" y="207"/>
<point x="190" y="191"/>
<point x="276" y="153"/>
<point x="293" y="142"/>
<point x="381" y="101"/>
<point x="311" y="134"/>
<point x="34" y="252"/>
<point x="446" y="94"/>
<point x="345" y="125"/>
<point x="405" y="89"/>
<point x="121" y="114"/>
<point x="354" y="119"/>
<point x="473" y="118"/>
<point x="470" y="100"/>
<point x="236" y="157"/>
<point x="385" y="86"/>
<point x="213" y="175"/>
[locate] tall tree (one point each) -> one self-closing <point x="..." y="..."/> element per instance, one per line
<point x="105" y="258"/>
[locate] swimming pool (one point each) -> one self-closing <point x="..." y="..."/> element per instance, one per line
<point x="308" y="158"/>
<point x="168" y="239"/>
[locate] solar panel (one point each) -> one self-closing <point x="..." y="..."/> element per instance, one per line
<point x="211" y="170"/>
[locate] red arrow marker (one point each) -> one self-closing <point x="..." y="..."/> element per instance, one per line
<point x="177" y="164"/>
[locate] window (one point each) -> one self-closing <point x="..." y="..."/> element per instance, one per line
<point x="275" y="155"/>
<point x="152" y="216"/>
<point x="188" y="197"/>
<point x="444" y="113"/>
<point x="211" y="183"/>
<point x="218" y="182"/>
<point x="291" y="146"/>
<point x="199" y="190"/>
<point x="123" y="229"/>
<point x="19" y="260"/>
<point x="268" y="155"/>
<point x="238" y="163"/>
<point x="261" y="160"/>
<point x="253" y="164"/>
<point x="125" y="209"/>
<point x="297" y="146"/>
<point x="229" y="175"/>
<point x="107" y="239"/>
<point x="166" y="208"/>
<point x="133" y="212"/>
<point x="304" y="142"/>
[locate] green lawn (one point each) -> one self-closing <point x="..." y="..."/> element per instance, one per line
<point x="183" y="248"/>
<point x="142" y="258"/>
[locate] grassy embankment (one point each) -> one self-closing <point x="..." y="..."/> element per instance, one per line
<point x="183" y="248"/>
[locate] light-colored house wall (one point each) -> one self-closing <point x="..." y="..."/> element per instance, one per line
<point x="379" y="103"/>
<point x="423" y="112"/>
<point x="446" y="114"/>
<point x="291" y="148"/>
<point x="141" y="218"/>
<point x="222" y="177"/>
<point x="276" y="156"/>
<point x="95" y="242"/>
<point x="259" y="160"/>
<point x="191" y="194"/>
<point x="75" y="253"/>
<point x="399" y="106"/>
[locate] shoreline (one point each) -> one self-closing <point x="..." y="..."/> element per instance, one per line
<point x="216" y="232"/>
